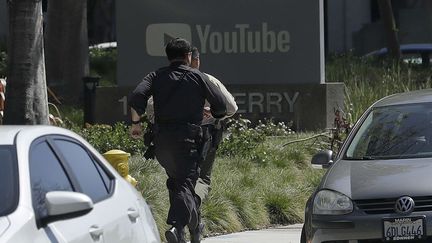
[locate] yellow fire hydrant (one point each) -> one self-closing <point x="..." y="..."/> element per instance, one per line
<point x="120" y="161"/>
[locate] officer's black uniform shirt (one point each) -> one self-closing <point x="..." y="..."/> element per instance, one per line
<point x="179" y="92"/>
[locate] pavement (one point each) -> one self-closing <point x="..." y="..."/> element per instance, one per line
<point x="283" y="234"/>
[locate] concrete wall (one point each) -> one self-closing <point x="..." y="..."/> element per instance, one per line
<point x="309" y="107"/>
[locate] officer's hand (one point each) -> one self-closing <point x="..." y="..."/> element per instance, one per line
<point x="136" y="131"/>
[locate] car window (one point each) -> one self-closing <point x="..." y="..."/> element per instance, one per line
<point x="84" y="169"/>
<point x="402" y="131"/>
<point x="46" y="174"/>
<point x="107" y="179"/>
<point x="8" y="180"/>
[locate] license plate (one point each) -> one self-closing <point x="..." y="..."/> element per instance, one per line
<point x="406" y="228"/>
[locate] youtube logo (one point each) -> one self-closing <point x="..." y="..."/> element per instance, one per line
<point x="158" y="35"/>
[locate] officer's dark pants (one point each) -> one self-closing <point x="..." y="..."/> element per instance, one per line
<point x="177" y="151"/>
<point x="207" y="165"/>
<point x="203" y="187"/>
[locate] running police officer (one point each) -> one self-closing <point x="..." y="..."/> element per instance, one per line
<point x="212" y="136"/>
<point x="213" y="128"/>
<point x="179" y="92"/>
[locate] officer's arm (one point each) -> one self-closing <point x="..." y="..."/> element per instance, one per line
<point x="138" y="102"/>
<point x="138" y="98"/>
<point x="215" y="97"/>
<point x="231" y="106"/>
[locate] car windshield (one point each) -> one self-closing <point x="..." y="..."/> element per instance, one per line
<point x="8" y="180"/>
<point x="401" y="131"/>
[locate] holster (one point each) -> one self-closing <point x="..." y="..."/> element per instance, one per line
<point x="202" y="137"/>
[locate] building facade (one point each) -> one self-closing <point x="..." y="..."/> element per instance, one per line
<point x="356" y="24"/>
<point x="3" y="21"/>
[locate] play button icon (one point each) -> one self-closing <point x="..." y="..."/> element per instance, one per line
<point x="167" y="38"/>
<point x="158" y="35"/>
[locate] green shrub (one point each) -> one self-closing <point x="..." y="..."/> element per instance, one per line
<point x="229" y="182"/>
<point x="220" y="215"/>
<point x="241" y="139"/>
<point x="151" y="183"/>
<point x="270" y="128"/>
<point x="261" y="195"/>
<point x="246" y="141"/>
<point x="311" y="179"/>
<point x="281" y="207"/>
<point x="249" y="209"/>
<point x="105" y="138"/>
<point x="368" y="81"/>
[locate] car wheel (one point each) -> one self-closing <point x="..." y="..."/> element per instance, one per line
<point x="303" y="235"/>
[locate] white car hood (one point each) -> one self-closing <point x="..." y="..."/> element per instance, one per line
<point x="4" y="224"/>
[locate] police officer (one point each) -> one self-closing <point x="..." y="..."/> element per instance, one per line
<point x="212" y="136"/>
<point x="179" y="92"/>
<point x="212" y="130"/>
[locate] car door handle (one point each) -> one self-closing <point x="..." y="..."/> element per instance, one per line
<point x="95" y="232"/>
<point x="133" y="214"/>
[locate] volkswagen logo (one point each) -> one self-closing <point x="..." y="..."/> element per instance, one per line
<point x="404" y="205"/>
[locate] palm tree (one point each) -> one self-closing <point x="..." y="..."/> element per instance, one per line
<point x="26" y="96"/>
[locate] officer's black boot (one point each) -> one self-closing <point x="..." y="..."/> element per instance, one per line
<point x="175" y="235"/>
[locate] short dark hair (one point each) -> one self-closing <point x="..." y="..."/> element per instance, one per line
<point x="177" y="48"/>
<point x="195" y="52"/>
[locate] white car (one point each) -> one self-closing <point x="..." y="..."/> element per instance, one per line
<point x="55" y="187"/>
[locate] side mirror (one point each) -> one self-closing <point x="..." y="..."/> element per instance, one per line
<point x="324" y="158"/>
<point x="62" y="203"/>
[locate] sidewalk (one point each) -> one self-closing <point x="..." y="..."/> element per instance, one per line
<point x="283" y="234"/>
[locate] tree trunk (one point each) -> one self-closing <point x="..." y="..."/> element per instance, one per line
<point x="391" y="31"/>
<point x="26" y="95"/>
<point x="67" y="48"/>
